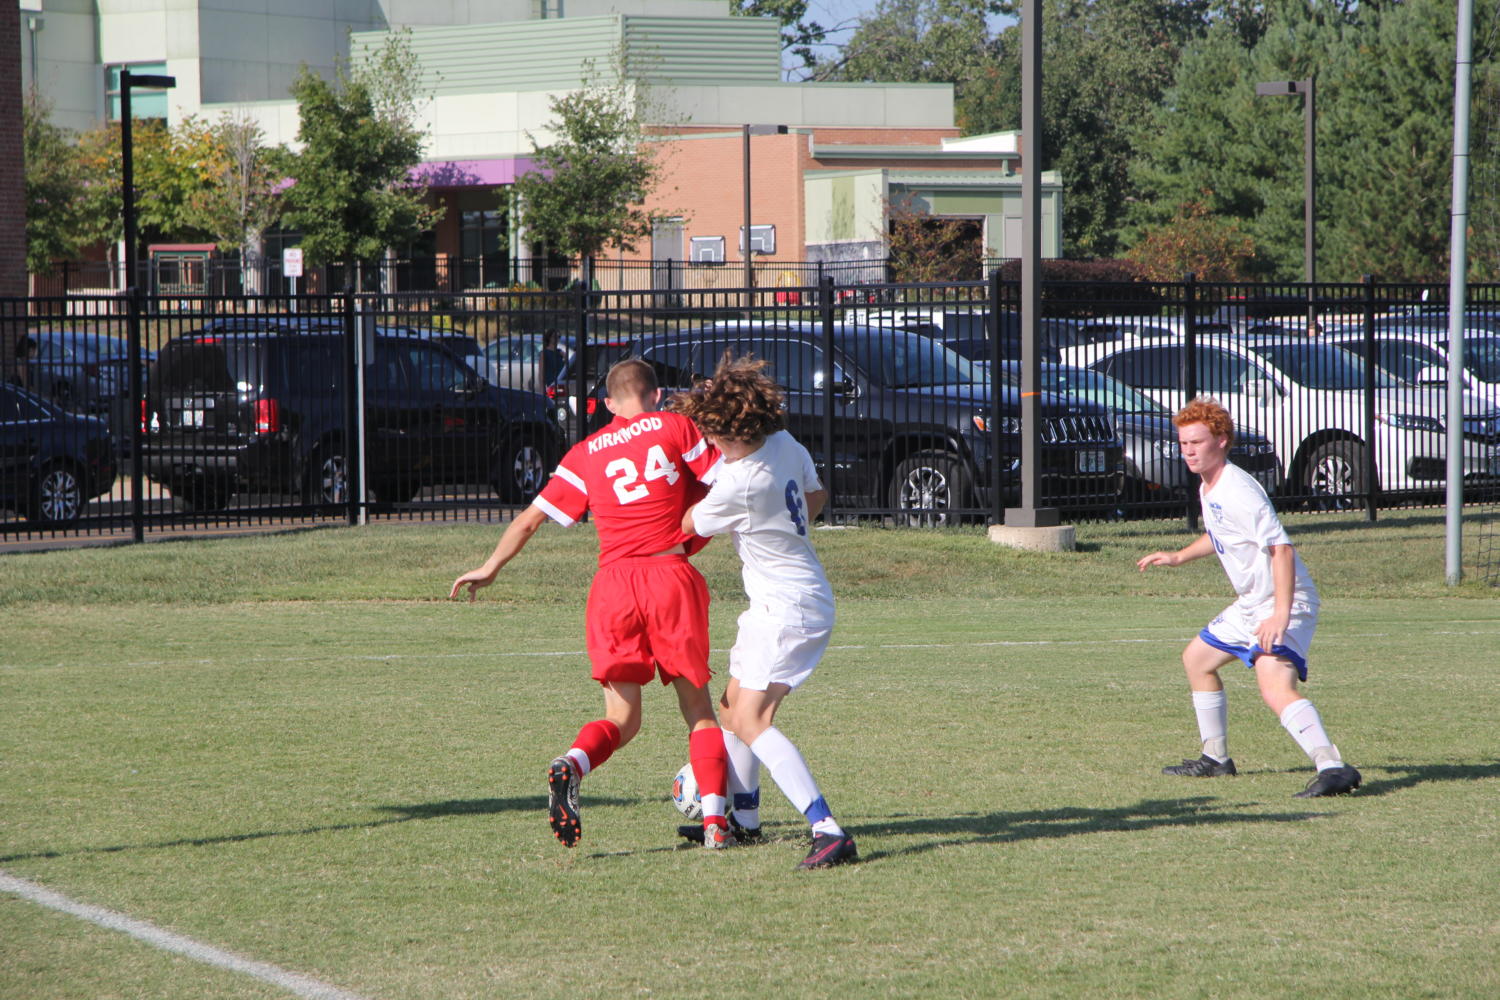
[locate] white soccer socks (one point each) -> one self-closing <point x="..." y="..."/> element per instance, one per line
<point x="1212" y="709"/>
<point x="1301" y="719"/>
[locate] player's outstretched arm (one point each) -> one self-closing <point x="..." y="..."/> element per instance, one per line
<point x="516" y="535"/>
<point x="815" y="500"/>
<point x="1203" y="545"/>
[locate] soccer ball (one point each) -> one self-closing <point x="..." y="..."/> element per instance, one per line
<point x="685" y="793"/>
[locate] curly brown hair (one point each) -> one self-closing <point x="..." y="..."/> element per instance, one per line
<point x="739" y="403"/>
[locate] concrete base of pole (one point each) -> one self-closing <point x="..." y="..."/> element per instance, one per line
<point x="1054" y="538"/>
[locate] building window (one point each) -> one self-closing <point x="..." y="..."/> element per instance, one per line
<point x="483" y="245"/>
<point x="143" y="103"/>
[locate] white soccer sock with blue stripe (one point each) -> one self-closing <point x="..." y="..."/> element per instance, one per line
<point x="794" y="779"/>
<point x="744" y="781"/>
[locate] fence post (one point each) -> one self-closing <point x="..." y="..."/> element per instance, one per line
<point x="1372" y="476"/>
<point x="997" y="500"/>
<point x="1190" y="368"/>
<point x="134" y="414"/>
<point x="825" y="297"/>
<point x="351" y="408"/>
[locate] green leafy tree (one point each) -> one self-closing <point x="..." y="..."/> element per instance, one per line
<point x="1384" y="79"/>
<point x="594" y="176"/>
<point x="167" y="175"/>
<point x="55" y="187"/>
<point x="354" y="194"/>
<point x="240" y="198"/>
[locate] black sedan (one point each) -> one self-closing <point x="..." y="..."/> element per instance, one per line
<point x="52" y="462"/>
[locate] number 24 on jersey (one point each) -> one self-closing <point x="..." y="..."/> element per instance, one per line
<point x="630" y="485"/>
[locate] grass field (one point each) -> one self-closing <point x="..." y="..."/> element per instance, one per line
<point x="295" y="749"/>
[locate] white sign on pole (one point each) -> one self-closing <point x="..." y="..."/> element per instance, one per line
<point x="291" y="262"/>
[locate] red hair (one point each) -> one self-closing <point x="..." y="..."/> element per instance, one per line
<point x="1207" y="411"/>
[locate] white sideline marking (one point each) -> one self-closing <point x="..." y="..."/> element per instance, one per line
<point x="292" y="982"/>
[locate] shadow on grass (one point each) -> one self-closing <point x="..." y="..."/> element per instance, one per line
<point x="1041" y="824"/>
<point x="1410" y="775"/>
<point x="398" y="814"/>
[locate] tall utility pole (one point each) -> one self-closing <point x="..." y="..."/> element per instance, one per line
<point x="129" y="80"/>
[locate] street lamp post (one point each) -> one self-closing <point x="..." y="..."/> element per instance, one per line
<point x="1286" y="88"/>
<point x="133" y="413"/>
<point x="750" y="130"/>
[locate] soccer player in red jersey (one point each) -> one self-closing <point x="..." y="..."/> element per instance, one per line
<point x="647" y="607"/>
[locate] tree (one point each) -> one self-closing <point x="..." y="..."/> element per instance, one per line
<point x="924" y="247"/>
<point x="241" y="198"/>
<point x="1384" y="78"/>
<point x="1195" y="242"/>
<point x="56" y="222"/>
<point x="354" y="194"/>
<point x="594" y="176"/>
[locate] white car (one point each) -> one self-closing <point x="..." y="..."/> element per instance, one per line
<point x="1307" y="396"/>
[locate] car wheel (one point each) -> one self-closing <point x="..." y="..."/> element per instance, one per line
<point x="926" y="487"/>
<point x="1336" y="477"/>
<point x="203" y="494"/>
<point x="57" y="496"/>
<point x="519" y="468"/>
<point x="325" y="480"/>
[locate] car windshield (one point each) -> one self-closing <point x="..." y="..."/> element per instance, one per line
<point x="1482" y="358"/>
<point x="1092" y="386"/>
<point x="901" y="360"/>
<point x="1320" y="366"/>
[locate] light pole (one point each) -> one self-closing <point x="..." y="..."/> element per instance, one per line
<point x="1286" y="88"/>
<point x="750" y="130"/>
<point x="135" y="413"/>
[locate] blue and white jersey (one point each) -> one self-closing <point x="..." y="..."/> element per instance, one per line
<point x="1238" y="516"/>
<point x="759" y="501"/>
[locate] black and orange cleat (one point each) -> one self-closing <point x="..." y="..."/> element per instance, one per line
<point x="562" y="801"/>
<point x="830" y="849"/>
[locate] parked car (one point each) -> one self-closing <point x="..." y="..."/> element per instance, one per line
<point x="1307" y="397"/>
<point x="80" y="369"/>
<point x="462" y="344"/>
<point x="52" y="462"/>
<point x="1415" y="348"/>
<point x="1154" y="469"/>
<point x="518" y="362"/>
<point x="912" y="423"/>
<point x="264" y="411"/>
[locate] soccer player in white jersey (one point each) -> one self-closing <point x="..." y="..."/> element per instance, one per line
<point x="1269" y="626"/>
<point x="765" y="497"/>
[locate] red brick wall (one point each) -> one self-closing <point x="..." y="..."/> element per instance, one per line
<point x="703" y="182"/>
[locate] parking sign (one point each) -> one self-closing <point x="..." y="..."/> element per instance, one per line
<point x="291" y="262"/>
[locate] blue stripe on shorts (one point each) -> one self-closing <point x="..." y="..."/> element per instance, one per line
<point x="1249" y="653"/>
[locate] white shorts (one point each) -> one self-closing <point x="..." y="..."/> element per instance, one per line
<point x="769" y="652"/>
<point x="1233" y="632"/>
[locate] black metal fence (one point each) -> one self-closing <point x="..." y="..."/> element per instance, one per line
<point x="293" y="409"/>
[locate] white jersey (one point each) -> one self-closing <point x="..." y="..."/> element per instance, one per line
<point x="1238" y="516"/>
<point x="759" y="501"/>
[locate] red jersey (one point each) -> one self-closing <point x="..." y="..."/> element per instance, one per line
<point x="638" y="476"/>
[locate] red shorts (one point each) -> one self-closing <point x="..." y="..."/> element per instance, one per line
<point x="647" y="614"/>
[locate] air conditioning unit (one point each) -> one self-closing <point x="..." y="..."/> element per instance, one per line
<point x="707" y="250"/>
<point x="762" y="239"/>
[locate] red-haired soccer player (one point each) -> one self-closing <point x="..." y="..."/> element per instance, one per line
<point x="647" y="607"/>
<point x="1269" y="626"/>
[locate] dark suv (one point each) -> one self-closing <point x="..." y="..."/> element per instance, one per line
<point x="264" y="410"/>
<point x="911" y="418"/>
